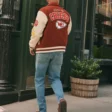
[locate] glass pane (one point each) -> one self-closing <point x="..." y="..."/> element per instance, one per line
<point x="103" y="29"/>
<point x="31" y="64"/>
<point x="17" y="13"/>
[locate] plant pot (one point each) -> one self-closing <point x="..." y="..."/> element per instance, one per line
<point x="84" y="88"/>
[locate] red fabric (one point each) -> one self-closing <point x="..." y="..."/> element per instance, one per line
<point x="36" y="23"/>
<point x="56" y="31"/>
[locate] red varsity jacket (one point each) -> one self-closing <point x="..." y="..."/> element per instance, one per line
<point x="51" y="29"/>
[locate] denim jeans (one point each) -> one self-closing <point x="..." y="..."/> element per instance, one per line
<point x="52" y="63"/>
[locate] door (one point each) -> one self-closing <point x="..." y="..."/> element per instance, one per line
<point x="31" y="62"/>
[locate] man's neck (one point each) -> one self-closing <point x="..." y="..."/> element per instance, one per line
<point x="54" y="3"/>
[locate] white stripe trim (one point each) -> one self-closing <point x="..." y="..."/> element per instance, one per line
<point x="50" y="51"/>
<point x="47" y="48"/>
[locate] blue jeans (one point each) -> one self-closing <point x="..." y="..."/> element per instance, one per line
<point x="51" y="62"/>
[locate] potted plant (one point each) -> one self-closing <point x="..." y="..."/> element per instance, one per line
<point x="85" y="77"/>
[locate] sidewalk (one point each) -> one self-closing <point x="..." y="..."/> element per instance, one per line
<point x="103" y="103"/>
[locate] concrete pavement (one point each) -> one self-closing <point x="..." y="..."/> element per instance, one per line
<point x="103" y="103"/>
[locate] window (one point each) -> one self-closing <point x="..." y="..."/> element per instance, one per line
<point x="17" y="13"/>
<point x="105" y="41"/>
<point x="103" y="35"/>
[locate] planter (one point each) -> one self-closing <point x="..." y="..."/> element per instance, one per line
<point x="84" y="88"/>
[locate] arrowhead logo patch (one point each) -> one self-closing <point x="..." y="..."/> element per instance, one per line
<point x="60" y="24"/>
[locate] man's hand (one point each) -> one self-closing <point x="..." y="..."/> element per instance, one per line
<point x="32" y="51"/>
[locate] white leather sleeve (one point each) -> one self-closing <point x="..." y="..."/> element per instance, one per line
<point x="70" y="26"/>
<point x="38" y="28"/>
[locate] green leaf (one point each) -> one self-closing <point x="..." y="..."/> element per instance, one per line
<point x="87" y="69"/>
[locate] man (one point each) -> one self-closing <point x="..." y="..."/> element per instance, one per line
<point x="49" y="39"/>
